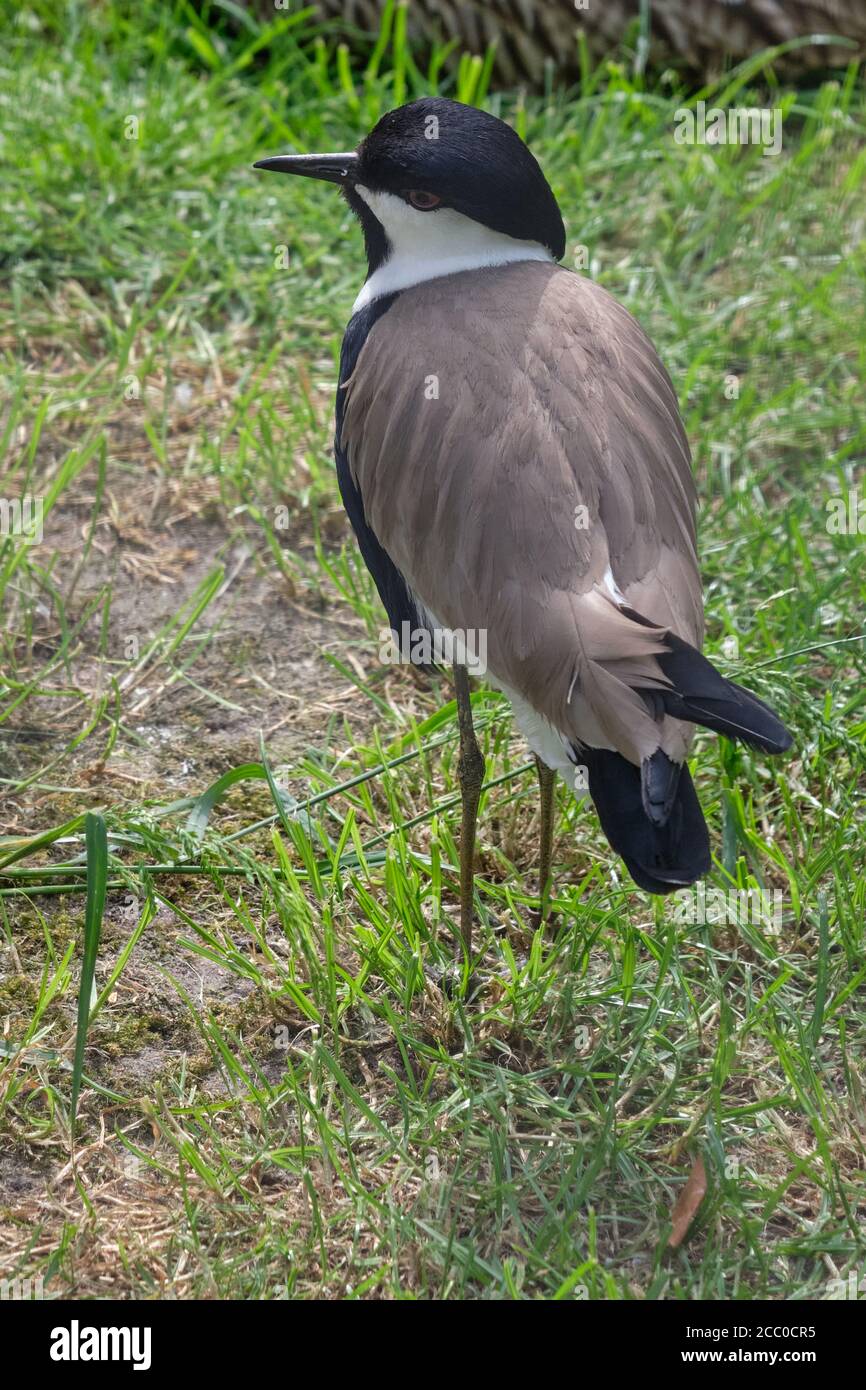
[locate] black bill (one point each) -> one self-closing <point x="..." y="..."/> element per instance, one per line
<point x="334" y="168"/>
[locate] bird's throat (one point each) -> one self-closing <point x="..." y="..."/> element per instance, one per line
<point x="406" y="247"/>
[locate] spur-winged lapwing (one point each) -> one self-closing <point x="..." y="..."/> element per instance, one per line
<point x="511" y="457"/>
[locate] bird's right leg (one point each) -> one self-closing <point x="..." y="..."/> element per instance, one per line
<point x="546" y="786"/>
<point x="470" y="771"/>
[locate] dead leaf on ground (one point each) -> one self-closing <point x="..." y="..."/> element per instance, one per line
<point x="686" y="1205"/>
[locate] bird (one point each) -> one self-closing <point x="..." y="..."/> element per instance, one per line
<point x="541" y="495"/>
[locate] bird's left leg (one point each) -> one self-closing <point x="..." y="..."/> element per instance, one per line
<point x="546" y="785"/>
<point x="470" y="770"/>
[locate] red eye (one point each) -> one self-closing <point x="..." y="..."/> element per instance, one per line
<point x="424" y="202"/>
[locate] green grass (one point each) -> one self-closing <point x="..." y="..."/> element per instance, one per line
<point x="287" y="1090"/>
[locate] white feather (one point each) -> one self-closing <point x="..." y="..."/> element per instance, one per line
<point x="425" y="245"/>
<point x="612" y="587"/>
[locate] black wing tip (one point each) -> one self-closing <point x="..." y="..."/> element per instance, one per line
<point x="784" y="743"/>
<point x="701" y="695"/>
<point x="773" y="746"/>
<point x="768" y="732"/>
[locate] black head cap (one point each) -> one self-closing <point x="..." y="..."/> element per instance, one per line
<point x="471" y="160"/>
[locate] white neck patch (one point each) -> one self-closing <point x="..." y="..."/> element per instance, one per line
<point x="426" y="245"/>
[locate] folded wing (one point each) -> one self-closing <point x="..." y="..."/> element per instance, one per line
<point x="518" y="449"/>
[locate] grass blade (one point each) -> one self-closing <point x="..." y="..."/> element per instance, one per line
<point x="97" y="876"/>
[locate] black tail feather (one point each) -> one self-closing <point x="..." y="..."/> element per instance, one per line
<point x="659" y="779"/>
<point x="651" y="814"/>
<point x="661" y="856"/>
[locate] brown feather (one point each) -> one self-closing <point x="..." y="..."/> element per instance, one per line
<point x="551" y="398"/>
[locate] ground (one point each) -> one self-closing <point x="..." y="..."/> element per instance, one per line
<point x="289" y="1089"/>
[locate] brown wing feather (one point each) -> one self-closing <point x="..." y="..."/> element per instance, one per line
<point x="486" y="410"/>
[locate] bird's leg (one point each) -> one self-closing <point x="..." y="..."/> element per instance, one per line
<point x="546" y="785"/>
<point x="470" y="770"/>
